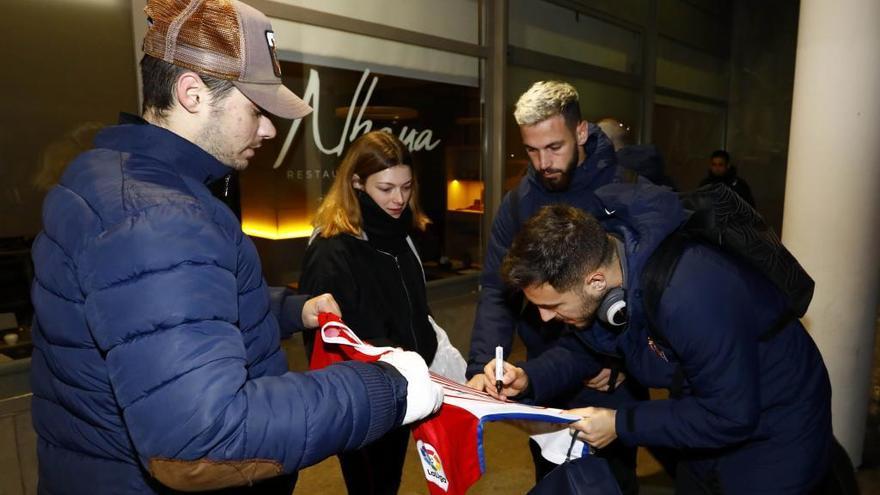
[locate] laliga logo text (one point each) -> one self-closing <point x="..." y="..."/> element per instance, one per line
<point x="432" y="465"/>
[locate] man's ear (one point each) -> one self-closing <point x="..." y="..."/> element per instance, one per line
<point x="595" y="283"/>
<point x="191" y="92"/>
<point x="582" y="132"/>
<point x="356" y="182"/>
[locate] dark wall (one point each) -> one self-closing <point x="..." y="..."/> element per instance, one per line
<point x="68" y="68"/>
<point x="763" y="45"/>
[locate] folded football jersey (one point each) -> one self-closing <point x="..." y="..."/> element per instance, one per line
<point x="450" y="442"/>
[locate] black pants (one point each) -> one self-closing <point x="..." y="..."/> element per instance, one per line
<point x="688" y="483"/>
<point x="839" y="479"/>
<point x="376" y="469"/>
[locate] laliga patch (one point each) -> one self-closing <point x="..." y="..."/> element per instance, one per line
<point x="432" y="465"/>
<point x="270" y="40"/>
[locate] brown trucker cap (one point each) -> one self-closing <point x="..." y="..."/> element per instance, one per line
<point x="225" y="39"/>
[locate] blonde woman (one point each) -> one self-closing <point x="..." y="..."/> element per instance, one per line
<point x="362" y="254"/>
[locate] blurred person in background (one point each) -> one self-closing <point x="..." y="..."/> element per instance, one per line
<point x="721" y="171"/>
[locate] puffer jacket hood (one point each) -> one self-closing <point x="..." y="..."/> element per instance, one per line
<point x="642" y="215"/>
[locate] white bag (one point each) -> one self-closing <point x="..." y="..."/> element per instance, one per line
<point x="447" y="360"/>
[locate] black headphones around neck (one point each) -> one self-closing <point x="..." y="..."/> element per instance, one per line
<point x="612" y="309"/>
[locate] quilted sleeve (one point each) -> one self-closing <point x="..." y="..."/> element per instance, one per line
<point x="161" y="304"/>
<point x="707" y="316"/>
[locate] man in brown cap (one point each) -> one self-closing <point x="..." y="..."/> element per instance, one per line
<point x="156" y="359"/>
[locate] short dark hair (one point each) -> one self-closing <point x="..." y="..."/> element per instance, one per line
<point x="558" y="246"/>
<point x="158" y="78"/>
<point x="571" y="112"/>
<point x="721" y="154"/>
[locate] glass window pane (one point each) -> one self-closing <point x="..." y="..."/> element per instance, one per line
<point x="687" y="133"/>
<point x="692" y="71"/>
<point x="562" y="32"/>
<point x="454" y="19"/>
<point x="58" y="95"/>
<point x="439" y="121"/>
<point x="298" y="42"/>
<point x="634" y="11"/>
<point x="703" y="24"/>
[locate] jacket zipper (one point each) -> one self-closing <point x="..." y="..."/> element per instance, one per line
<point x="412" y="330"/>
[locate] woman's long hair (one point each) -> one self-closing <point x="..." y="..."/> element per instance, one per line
<point x="340" y="212"/>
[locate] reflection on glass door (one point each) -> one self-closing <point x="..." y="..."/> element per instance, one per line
<point x="440" y="124"/>
<point x="686" y="137"/>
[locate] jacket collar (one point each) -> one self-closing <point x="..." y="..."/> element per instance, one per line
<point x="137" y="136"/>
<point x="642" y="215"/>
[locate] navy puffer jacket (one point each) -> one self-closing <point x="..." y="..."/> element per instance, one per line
<point x="755" y="416"/>
<point x="156" y="356"/>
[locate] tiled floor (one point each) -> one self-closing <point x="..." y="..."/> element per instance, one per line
<point x="509" y="466"/>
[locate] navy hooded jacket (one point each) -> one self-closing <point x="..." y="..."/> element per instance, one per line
<point x="156" y="356"/>
<point x="755" y="415"/>
<point x="498" y="309"/>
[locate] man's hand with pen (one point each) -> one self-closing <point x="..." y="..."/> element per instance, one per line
<point x="514" y="380"/>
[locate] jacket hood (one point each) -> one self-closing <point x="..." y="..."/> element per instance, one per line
<point x="642" y="215"/>
<point x="135" y="135"/>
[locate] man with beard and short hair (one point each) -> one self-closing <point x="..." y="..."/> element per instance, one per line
<point x="553" y="133"/>
<point x="569" y="160"/>
<point x="748" y="413"/>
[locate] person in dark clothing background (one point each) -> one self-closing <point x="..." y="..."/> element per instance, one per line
<point x="720" y="170"/>
<point x="361" y="252"/>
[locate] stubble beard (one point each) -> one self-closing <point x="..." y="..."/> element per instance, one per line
<point x="213" y="142"/>
<point x="589" y="308"/>
<point x="564" y="180"/>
